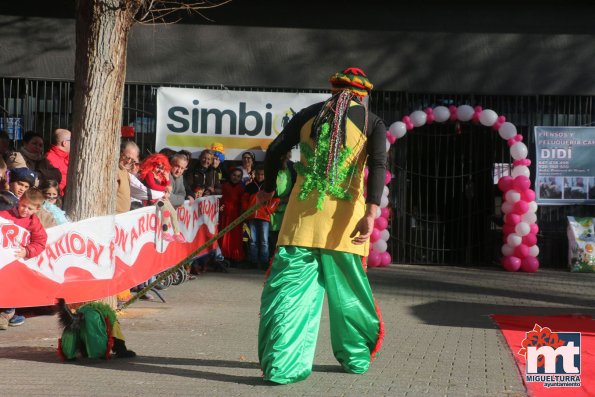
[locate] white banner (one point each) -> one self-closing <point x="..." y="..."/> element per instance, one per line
<point x="99" y="257"/>
<point x="193" y="119"/>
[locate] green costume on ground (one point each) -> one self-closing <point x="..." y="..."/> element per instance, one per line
<point x="93" y="330"/>
<point x="315" y="252"/>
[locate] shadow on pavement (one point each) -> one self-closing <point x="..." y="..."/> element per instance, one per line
<point x="476" y="315"/>
<point x="518" y="285"/>
<point x="153" y="365"/>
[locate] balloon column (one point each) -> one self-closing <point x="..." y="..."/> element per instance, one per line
<point x="379" y="256"/>
<point x="520" y="229"/>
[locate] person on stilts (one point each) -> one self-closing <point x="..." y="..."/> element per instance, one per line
<point x="324" y="235"/>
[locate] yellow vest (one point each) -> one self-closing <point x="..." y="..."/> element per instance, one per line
<point x="303" y="225"/>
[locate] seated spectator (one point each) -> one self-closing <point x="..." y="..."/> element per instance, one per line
<point x="247" y="167"/>
<point x="198" y="191"/>
<point x="24" y="216"/>
<point x="59" y="155"/>
<point x="154" y="173"/>
<point x="32" y="154"/>
<point x="187" y="154"/>
<point x="180" y="191"/>
<point x="129" y="160"/>
<point x="20" y="179"/>
<point x="204" y="175"/>
<point x="52" y="203"/>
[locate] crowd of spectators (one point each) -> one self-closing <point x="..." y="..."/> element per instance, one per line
<point x="33" y="182"/>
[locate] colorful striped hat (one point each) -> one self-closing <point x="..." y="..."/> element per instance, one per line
<point x="353" y="79"/>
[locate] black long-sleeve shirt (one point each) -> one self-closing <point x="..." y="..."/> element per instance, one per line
<point x="375" y="147"/>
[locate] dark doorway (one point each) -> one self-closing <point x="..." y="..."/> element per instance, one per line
<point x="445" y="197"/>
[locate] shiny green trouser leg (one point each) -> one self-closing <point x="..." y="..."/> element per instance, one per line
<point x="290" y="312"/>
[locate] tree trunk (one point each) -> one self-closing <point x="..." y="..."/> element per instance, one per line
<point x="102" y="28"/>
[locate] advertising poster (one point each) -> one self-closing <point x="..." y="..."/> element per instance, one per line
<point x="565" y="165"/>
<point x="193" y="119"/>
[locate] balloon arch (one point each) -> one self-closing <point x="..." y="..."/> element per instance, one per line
<point x="520" y="229"/>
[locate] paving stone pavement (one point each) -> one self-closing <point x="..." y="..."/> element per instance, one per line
<point x="202" y="342"/>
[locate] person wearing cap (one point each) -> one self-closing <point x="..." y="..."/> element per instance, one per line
<point x="324" y="235"/>
<point x="218" y="159"/>
<point x="19" y="181"/>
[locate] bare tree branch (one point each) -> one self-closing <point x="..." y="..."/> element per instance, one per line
<point x="160" y="11"/>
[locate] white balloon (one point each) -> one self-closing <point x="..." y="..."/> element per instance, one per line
<point x="507" y="250"/>
<point x="379" y="245"/>
<point x="522" y="228"/>
<point x="385" y="191"/>
<point x="532" y="206"/>
<point x="385" y="234"/>
<point x="398" y="129"/>
<point x="512" y="196"/>
<point x="383" y="202"/>
<point x="507" y="207"/>
<point x="507" y="130"/>
<point x="519" y="151"/>
<point x="529" y="217"/>
<point x="441" y="114"/>
<point x="514" y="240"/>
<point x="488" y="117"/>
<point x="387" y="145"/>
<point x="378" y="212"/>
<point x="520" y="170"/>
<point x="418" y="118"/>
<point x="534" y="250"/>
<point x="465" y="112"/>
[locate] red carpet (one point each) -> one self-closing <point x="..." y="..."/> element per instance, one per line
<point x="557" y="332"/>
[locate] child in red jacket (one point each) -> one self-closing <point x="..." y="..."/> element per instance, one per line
<point x="23" y="215"/>
<point x="259" y="222"/>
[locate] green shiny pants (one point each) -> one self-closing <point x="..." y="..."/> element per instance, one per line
<point x="290" y="310"/>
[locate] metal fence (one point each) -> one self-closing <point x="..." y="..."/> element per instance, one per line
<point x="446" y="209"/>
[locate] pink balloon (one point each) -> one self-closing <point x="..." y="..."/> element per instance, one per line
<point x="530" y="240"/>
<point x="508" y="229"/>
<point x="385" y="212"/>
<point x="530" y="264"/>
<point x="374" y="259"/>
<point x="387" y="177"/>
<point x="366" y="172"/>
<point x="391" y="138"/>
<point x="534" y="228"/>
<point x="520" y="207"/>
<point x="380" y="223"/>
<point x="375" y="235"/>
<point x="521" y="183"/>
<point x="528" y="195"/>
<point x="521" y="251"/>
<point x="511" y="263"/>
<point x="512" y="218"/>
<point x="505" y="183"/>
<point x="385" y="259"/>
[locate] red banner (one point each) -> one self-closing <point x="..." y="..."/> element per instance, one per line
<point x="99" y="257"/>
